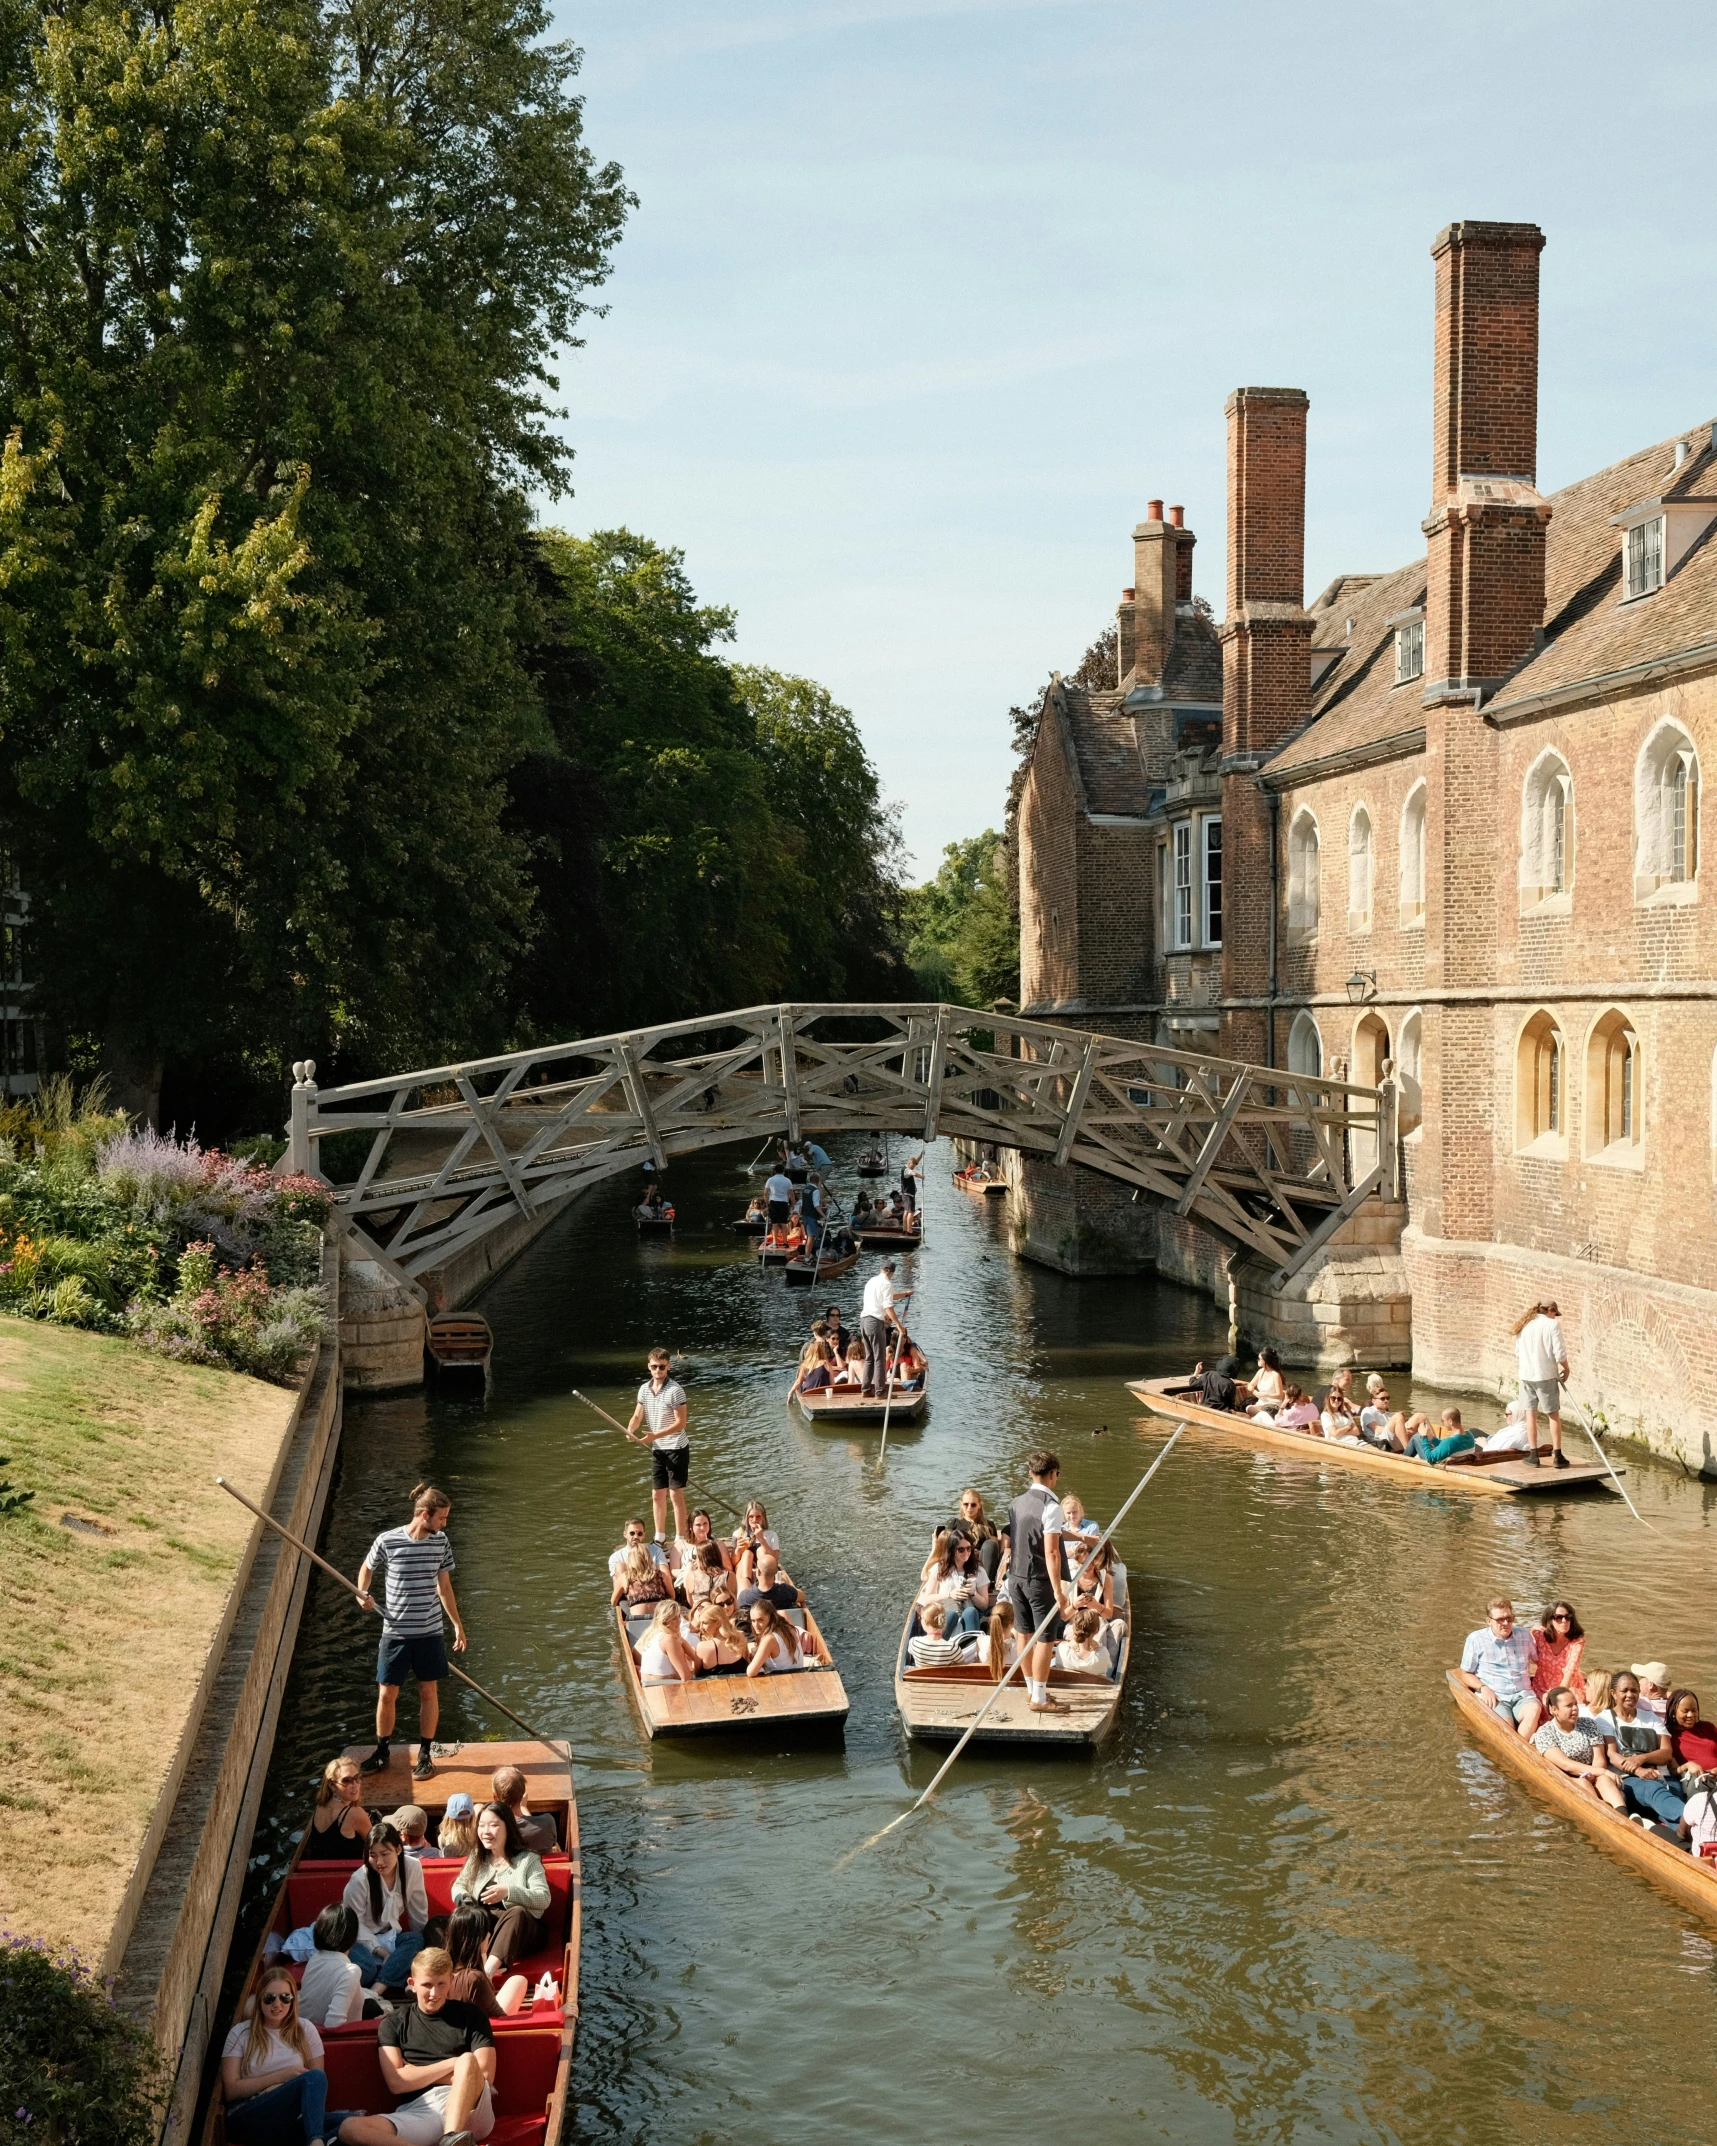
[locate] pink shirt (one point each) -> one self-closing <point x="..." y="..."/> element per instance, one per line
<point x="1303" y="1415"/>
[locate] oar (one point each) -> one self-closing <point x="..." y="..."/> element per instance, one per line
<point x="1005" y="1681"/>
<point x="697" y="1489"/>
<point x="893" y="1365"/>
<point x="560" y="1750"/>
<point x="1597" y="1447"/>
<point x="758" y="1157"/>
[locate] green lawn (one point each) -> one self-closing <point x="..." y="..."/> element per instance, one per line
<point x="104" y="1628"/>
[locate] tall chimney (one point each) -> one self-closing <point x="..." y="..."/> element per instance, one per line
<point x="1486" y="529"/>
<point x="1156" y="553"/>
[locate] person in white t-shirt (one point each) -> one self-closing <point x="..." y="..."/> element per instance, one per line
<point x="876" y="1316"/>
<point x="332" y="1992"/>
<point x="1513" y="1436"/>
<point x="659" y="1422"/>
<point x="778" y="1192"/>
<point x="635" y="1533"/>
<point x="271" y="2068"/>
<point x="1543" y="1365"/>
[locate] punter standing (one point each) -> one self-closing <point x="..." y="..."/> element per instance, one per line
<point x="416" y="1559"/>
<point x="909" y="1182"/>
<point x="659" y="1422"/>
<point x="1037" y="1580"/>
<point x="876" y="1316"/>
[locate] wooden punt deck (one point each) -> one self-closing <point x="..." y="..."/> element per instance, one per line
<point x="1692" y="1880"/>
<point x="790" y="1701"/>
<point x="533" y="2073"/>
<point x="851" y="1406"/>
<point x="874" y="1237"/>
<point x="1506" y="1479"/>
<point x="458" y="1343"/>
<point x="652" y="1223"/>
<point x="983" y="1187"/>
<point x="803" y="1272"/>
<point x="938" y="1706"/>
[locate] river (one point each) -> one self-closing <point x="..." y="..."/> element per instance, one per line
<point x="1287" y="1901"/>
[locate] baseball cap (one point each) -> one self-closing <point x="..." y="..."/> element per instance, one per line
<point x="459" y="1805"/>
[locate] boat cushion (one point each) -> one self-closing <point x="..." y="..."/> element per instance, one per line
<point x="527" y="2059"/>
<point x="312" y="1886"/>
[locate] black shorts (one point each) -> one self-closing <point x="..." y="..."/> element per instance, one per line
<point x="668" y="1470"/>
<point x="1031" y="1605"/>
<point x="779" y="1210"/>
<point x="423" y="1653"/>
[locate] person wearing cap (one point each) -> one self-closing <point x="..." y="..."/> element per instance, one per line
<point x="1653" y="1689"/>
<point x="875" y="1318"/>
<point x="458" y="1831"/>
<point x="411" y="1823"/>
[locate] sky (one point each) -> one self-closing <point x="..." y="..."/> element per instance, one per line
<point x="923" y="300"/>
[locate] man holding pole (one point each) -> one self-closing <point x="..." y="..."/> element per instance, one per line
<point x="1036" y="1576"/>
<point x="659" y="1422"/>
<point x="417" y="1559"/>
<point x="876" y="1316"/>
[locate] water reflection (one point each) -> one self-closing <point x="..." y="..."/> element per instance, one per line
<point x="1286" y="1901"/>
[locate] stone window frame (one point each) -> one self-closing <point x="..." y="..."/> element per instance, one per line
<point x="1305" y="1028"/>
<point x="1614" y="1093"/>
<point x="1546" y="814"/>
<point x="1359" y="914"/>
<point x="1412" y="841"/>
<point x="1305" y="866"/>
<point x="1188" y="841"/>
<point x="1668" y="795"/>
<point x="1541" y="1087"/>
<point x="1410" y="1072"/>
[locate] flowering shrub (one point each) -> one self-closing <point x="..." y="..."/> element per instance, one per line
<point x="201" y="1255"/>
<point x="72" y="2069"/>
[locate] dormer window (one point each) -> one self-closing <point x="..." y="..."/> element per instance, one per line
<point x="1409" y="629"/>
<point x="1643" y="557"/>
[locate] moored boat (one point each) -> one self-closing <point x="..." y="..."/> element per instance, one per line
<point x="1692" y="1879"/>
<point x="1497" y="1476"/>
<point x="459" y="1344"/>
<point x="730" y="1703"/>
<point x="533" y="2048"/>
<point x="939" y="1705"/>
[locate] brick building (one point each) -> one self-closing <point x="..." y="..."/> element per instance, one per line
<point x="1460" y="830"/>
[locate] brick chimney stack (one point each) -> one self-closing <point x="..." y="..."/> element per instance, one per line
<point x="1266" y="676"/>
<point x="1486" y="528"/>
<point x="1162" y="575"/>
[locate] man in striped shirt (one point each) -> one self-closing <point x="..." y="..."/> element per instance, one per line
<point x="416" y="1560"/>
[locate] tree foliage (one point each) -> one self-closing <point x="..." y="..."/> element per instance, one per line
<point x="283" y="283"/>
<point x="964" y="943"/>
<point x="72" y="2068"/>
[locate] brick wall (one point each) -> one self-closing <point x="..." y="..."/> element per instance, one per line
<point x="1048" y="872"/>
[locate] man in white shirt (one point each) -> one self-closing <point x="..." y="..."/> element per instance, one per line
<point x="876" y="1316"/>
<point x="1543" y="1364"/>
<point x="1497" y="1663"/>
<point x="659" y="1422"/>
<point x="778" y="1192"/>
<point x="635" y="1540"/>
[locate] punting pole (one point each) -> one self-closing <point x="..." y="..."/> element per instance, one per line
<point x="696" y="1488"/>
<point x="562" y="1749"/>
<point x="942" y="1770"/>
<point x="1597" y="1447"/>
<point x="888" y="1403"/>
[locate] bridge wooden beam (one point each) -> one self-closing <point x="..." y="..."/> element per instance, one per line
<point x="639" y="1097"/>
<point x="1213" y="1145"/>
<point x="938" y="1065"/>
<point x="1076" y="1103"/>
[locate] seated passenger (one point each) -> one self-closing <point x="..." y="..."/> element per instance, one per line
<point x="753" y="1532"/>
<point x="1496" y="1665"/>
<point x="457" y="1833"/>
<point x="339" y="1825"/>
<point x="1639" y="1751"/>
<point x="1084" y="1647"/>
<point x="1073" y="1510"/>
<point x="1569" y="1748"/>
<point x="507" y="1882"/>
<point x="332" y="1991"/>
<point x="700" y="1529"/>
<point x="719" y="1643"/>
<point x="437" y="2034"/>
<point x="1697" y="1824"/>
<point x="1094" y="1582"/>
<point x="851" y="1373"/>
<point x="756" y="1211"/>
<point x="636" y="1538"/>
<point x="1692" y="1739"/>
<point x="934" y="1647"/>
<point x="706" y="1579"/>
<point x="999" y="1647"/>
<point x="776" y="1642"/>
<point x="1339" y="1416"/>
<point x="838" y="1336"/>
<point x="983" y="1531"/>
<point x="1218" y="1388"/>
<point x="411" y="1823"/>
<point x="272" y="2077"/>
<point x="815" y="1375"/>
<point x="1269" y="1387"/>
<point x="387" y="1896"/>
<point x="1374" y="1416"/>
<point x="1300" y="1413"/>
<point x="663" y="1656"/>
<point x="909" y="1365"/>
<point x="953" y="1577"/>
<point x="1513" y="1437"/>
<point x="1653" y="1690"/>
<point x="467" y="1947"/>
<point x="767" y="1581"/>
<point x="1597" y="1700"/>
<point x="639" y="1580"/>
<point x="537" y="1829"/>
<point x="1453" y="1438"/>
<point x="1560" y="1640"/>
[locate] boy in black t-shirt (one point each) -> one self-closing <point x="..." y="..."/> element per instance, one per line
<point x="442" y="2054"/>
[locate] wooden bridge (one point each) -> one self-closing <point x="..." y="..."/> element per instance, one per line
<point x="427" y="1162"/>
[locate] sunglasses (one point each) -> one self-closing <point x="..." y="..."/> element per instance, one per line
<point x="278" y="1997"/>
<point x="1561" y="1617"/>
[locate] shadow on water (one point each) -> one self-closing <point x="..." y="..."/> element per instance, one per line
<point x="1285" y="1901"/>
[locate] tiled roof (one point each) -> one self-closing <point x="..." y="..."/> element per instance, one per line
<point x="1588" y="633"/>
<point x="1194" y="668"/>
<point x="1110" y="747"/>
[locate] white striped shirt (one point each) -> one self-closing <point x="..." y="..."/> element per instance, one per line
<point x="412" y="1601"/>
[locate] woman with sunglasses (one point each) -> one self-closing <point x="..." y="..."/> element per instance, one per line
<point x="275" y="2088"/>
<point x="339" y="1825"/>
<point x="983" y="1531"/>
<point x="387" y="1896"/>
<point x="1559" y="1639"/>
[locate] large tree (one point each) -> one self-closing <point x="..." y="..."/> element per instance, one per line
<point x="282" y="286"/>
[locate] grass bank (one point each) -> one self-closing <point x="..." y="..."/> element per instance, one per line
<point x="105" y="1626"/>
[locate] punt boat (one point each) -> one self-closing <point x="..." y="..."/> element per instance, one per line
<point x="875" y="1235"/>
<point x="846" y="1404"/>
<point x="938" y="1706"/>
<point x="980" y="1178"/>
<point x="772" y="1254"/>
<point x="1692" y="1879"/>
<point x="1496" y="1477"/>
<point x="459" y="1344"/>
<point x="801" y="1273"/>
<point x="533" y="2048"/>
<point x="749" y="1226"/>
<point x="871" y="1164"/>
<point x="729" y="1704"/>
<point x="654" y="1221"/>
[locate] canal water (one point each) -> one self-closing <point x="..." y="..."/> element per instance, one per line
<point x="1287" y="1901"/>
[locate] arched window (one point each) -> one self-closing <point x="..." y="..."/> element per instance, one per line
<point x="1540" y="1088"/>
<point x="1413" y="857"/>
<point x="1302" y="880"/>
<point x="1359" y="870"/>
<point x="1666" y="812"/>
<point x="1614" y="1098"/>
<point x="1305" y="1047"/>
<point x="1410" y="1072"/>
<point x="1546" y="831"/>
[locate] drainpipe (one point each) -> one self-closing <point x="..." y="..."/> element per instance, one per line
<point x="1275" y="889"/>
